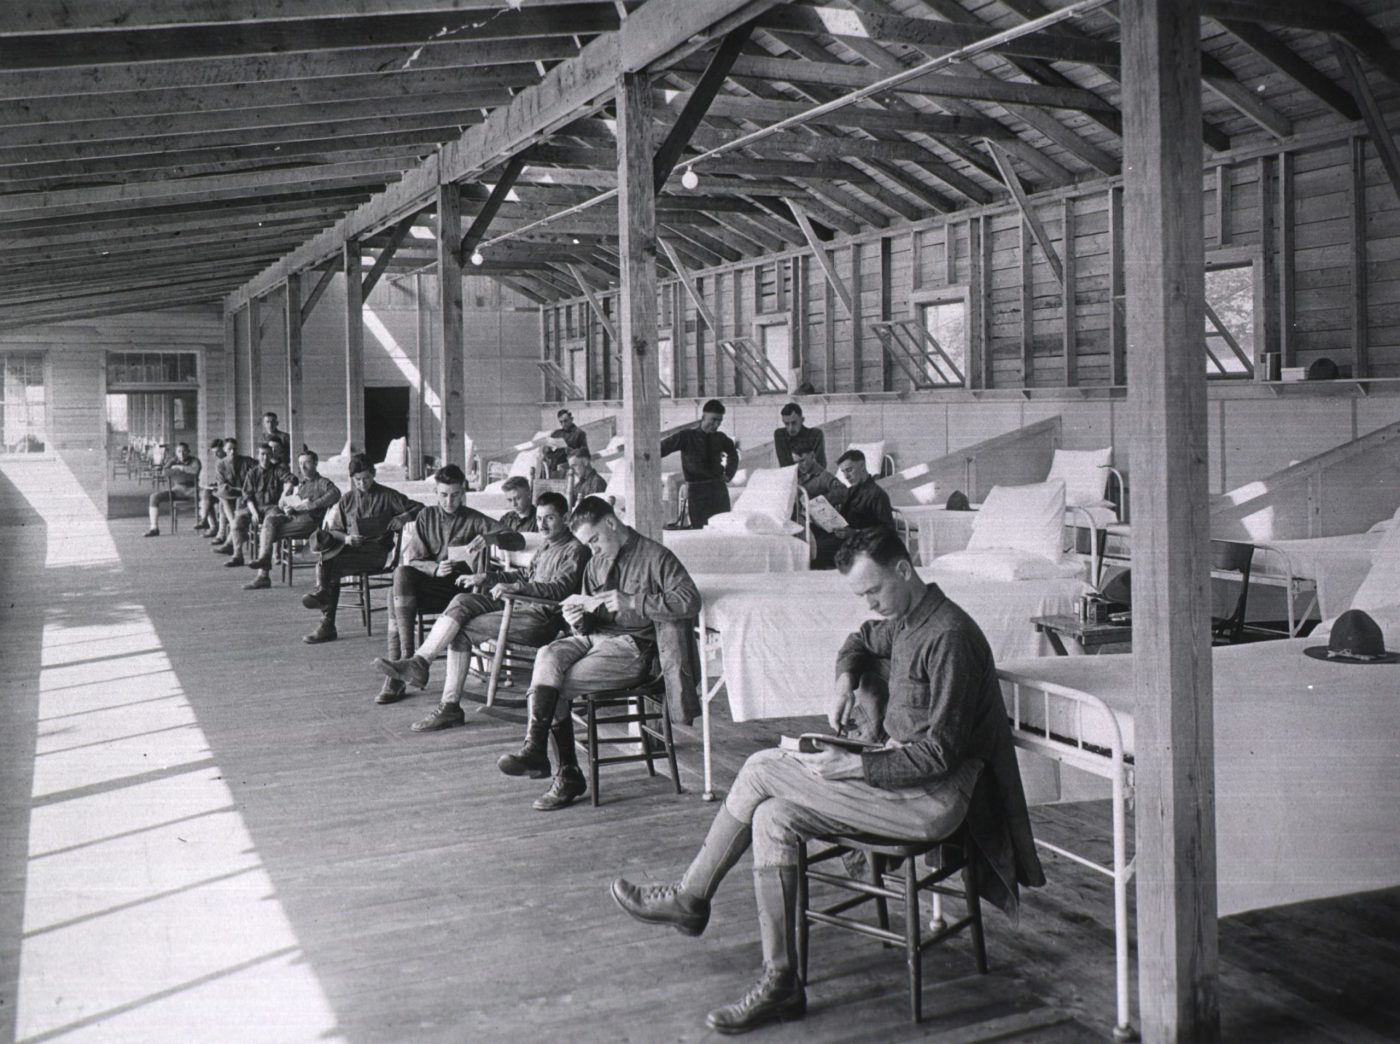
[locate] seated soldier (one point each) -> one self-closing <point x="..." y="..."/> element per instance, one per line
<point x="356" y="537"/>
<point x="182" y="471"/>
<point x="208" y="521"/>
<point x="296" y="514"/>
<point x="262" y="489"/>
<point x="425" y="577"/>
<point x="867" y="504"/>
<point x="924" y="679"/>
<point x="583" y="480"/>
<point x="562" y="441"/>
<point x="232" y="472"/>
<point x="521" y="516"/>
<point x="816" y="481"/>
<point x="630" y="584"/>
<point x="555" y="572"/>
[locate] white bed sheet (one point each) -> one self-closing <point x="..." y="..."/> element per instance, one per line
<point x="779" y="636"/>
<point x="1336" y="564"/>
<point x="704" y="552"/>
<point x="1307" y="771"/>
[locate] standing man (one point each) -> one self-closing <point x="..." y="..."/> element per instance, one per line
<point x="709" y="460"/>
<point x="295" y="515"/>
<point x="794" y="437"/>
<point x="183" y="474"/>
<point x="563" y="440"/>
<point x="555" y="572"/>
<point x="947" y="761"/>
<point x="232" y="473"/>
<point x="262" y="489"/>
<point x="271" y="433"/>
<point x="583" y="480"/>
<point x="425" y="577"/>
<point x="357" y="537"/>
<point x="630" y="585"/>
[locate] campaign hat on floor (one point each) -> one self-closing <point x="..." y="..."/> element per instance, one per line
<point x="1355" y="638"/>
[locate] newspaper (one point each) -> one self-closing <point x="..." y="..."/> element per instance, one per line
<point x="820" y="511"/>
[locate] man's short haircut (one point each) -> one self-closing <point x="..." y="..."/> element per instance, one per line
<point x="851" y="454"/>
<point x="515" y="482"/>
<point x="563" y="411"/>
<point x="309" y="454"/>
<point x="183" y="445"/>
<point x="358" y="463"/>
<point x="581" y="452"/>
<point x="591" y="510"/>
<point x="233" y="439"/>
<point x="882" y="546"/>
<point x="549" y="498"/>
<point x="268" y="414"/>
<point x="270" y="446"/>
<point x="791" y="410"/>
<point x="713" y="406"/>
<point x="450" y="475"/>
<point x="217" y="443"/>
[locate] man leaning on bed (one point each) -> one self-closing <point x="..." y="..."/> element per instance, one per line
<point x="948" y="760"/>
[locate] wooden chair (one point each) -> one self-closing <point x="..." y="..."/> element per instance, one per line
<point x="287" y="548"/>
<point x="644" y="706"/>
<point x="508" y="661"/>
<point x="363" y="585"/>
<point x="894" y="877"/>
<point x="1231" y="556"/>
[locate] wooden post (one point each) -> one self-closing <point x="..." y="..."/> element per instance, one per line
<point x="255" y="410"/>
<point x="230" y="425"/>
<point x="1360" y="350"/>
<point x="417" y="402"/>
<point x="1286" y="282"/>
<point x="1068" y="298"/>
<point x="1117" y="307"/>
<point x="294" y="426"/>
<point x="452" y="445"/>
<point x="354" y="348"/>
<point x="636" y="222"/>
<point x="1176" y="910"/>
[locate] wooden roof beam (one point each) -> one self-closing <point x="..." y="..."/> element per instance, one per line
<point x="386" y="255"/>
<point x="1381" y="135"/>
<point x="697" y="104"/>
<point x="658" y="32"/>
<point x="1278" y="54"/>
<point x="499" y="192"/>
<point x="1028" y="214"/>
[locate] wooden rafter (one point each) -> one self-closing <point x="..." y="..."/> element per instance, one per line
<point x="1278" y="54"/>
<point x="1028" y="214"/>
<point x="1381" y="136"/>
<point x="499" y="191"/>
<point x="833" y="279"/>
<point x="386" y="254"/>
<point x="698" y="104"/>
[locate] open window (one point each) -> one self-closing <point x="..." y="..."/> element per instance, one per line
<point x="23" y="414"/>
<point x="1231" y="305"/>
<point x="666" y="361"/>
<point x="773" y="337"/>
<point x="931" y="347"/>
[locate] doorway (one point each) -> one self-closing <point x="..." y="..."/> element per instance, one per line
<point x="386" y="418"/>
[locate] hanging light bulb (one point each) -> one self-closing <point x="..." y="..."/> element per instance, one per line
<point x="476" y="257"/>
<point x="690" y="179"/>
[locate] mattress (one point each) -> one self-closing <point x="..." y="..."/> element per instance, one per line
<point x="779" y="635"/>
<point x="705" y="552"/>
<point x="1336" y="564"/>
<point x="1307" y="771"/>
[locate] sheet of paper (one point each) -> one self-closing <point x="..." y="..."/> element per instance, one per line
<point x="822" y="514"/>
<point x="459" y="553"/>
<point x="585" y="602"/>
<point x="294" y="503"/>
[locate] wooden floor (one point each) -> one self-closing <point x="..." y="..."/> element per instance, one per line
<point x="397" y="887"/>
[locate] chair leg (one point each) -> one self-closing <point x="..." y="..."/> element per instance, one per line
<point x="593" y="750"/>
<point x="974" y="910"/>
<point x="912" y="932"/>
<point x="800" y="922"/>
<point x="638" y="706"/>
<point x="366" y="607"/>
<point x="670" y="742"/>
<point x="877" y="878"/>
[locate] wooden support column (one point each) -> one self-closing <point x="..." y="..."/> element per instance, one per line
<point x="1068" y="301"/>
<point x="641" y="376"/>
<point x="1361" y="352"/>
<point x="255" y="409"/>
<point x="293" y="424"/>
<point x="1287" y="286"/>
<point x="230" y="425"/>
<point x="1027" y="307"/>
<point x="1117" y="306"/>
<point x="418" y="403"/>
<point x="452" y="444"/>
<point x="354" y="348"/>
<point x="857" y="360"/>
<point x="1176" y="909"/>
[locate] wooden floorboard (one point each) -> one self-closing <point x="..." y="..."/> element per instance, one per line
<point x="430" y="902"/>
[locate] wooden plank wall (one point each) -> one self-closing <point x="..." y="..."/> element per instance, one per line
<point x="75" y="372"/>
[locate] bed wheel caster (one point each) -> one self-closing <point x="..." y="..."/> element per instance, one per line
<point x="1125" y="1033"/>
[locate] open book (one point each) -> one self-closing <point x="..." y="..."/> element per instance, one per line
<point x="588" y="603"/>
<point x="811" y="742"/>
<point x="820" y="511"/>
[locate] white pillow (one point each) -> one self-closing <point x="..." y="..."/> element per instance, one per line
<point x="1084" y="475"/>
<point x="750" y="522"/>
<point x="617" y="480"/>
<point x="1382" y="584"/>
<point x="771" y="491"/>
<point x="874" y="456"/>
<point x="1024" y="518"/>
<point x="1006" y="564"/>
<point x="523" y="465"/>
